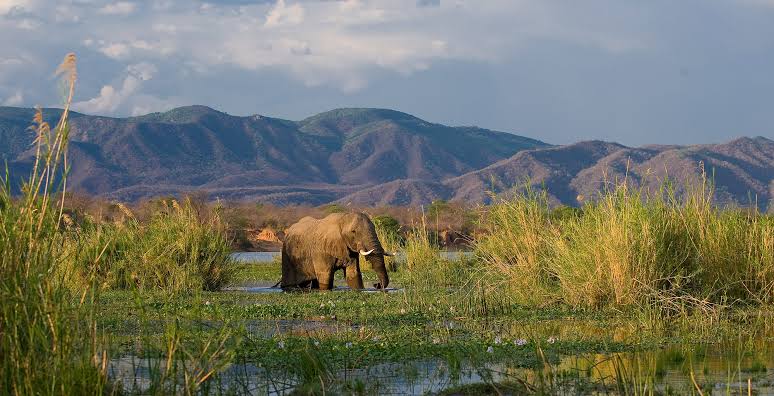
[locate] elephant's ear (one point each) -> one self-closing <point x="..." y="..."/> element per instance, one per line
<point x="339" y="234"/>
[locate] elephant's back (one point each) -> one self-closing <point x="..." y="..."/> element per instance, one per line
<point x="301" y="227"/>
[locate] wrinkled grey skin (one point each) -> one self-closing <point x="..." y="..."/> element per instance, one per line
<point x="315" y="249"/>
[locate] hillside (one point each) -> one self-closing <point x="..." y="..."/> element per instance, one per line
<point x="316" y="160"/>
<point x="742" y="170"/>
<point x="365" y="157"/>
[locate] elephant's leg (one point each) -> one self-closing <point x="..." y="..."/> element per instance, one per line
<point x="325" y="278"/>
<point x="354" y="277"/>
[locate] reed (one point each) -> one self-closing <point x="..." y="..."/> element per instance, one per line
<point x="49" y="341"/>
<point x="675" y="252"/>
<point x="178" y="249"/>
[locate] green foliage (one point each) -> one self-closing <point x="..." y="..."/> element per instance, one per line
<point x="388" y="224"/>
<point x="176" y="250"/>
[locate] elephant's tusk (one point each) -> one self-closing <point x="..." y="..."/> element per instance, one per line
<point x="364" y="253"/>
<point x="388" y="254"/>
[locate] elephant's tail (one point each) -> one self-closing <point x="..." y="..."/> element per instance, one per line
<point x="277" y="284"/>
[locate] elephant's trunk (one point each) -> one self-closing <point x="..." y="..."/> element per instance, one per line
<point x="377" y="264"/>
<point x="376" y="259"/>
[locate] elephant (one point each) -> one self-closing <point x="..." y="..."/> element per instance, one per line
<point x="314" y="249"/>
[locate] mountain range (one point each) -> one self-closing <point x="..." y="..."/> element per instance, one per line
<point x="364" y="157"/>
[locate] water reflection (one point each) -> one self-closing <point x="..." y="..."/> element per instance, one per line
<point x="716" y="369"/>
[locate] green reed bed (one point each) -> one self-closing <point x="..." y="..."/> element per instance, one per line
<point x="631" y="249"/>
<point x="176" y="250"/>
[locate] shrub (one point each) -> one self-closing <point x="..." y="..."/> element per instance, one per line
<point x="388" y="230"/>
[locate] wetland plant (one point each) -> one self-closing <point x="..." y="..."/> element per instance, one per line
<point x="666" y="251"/>
<point x="49" y="341"/>
<point x="176" y="250"/>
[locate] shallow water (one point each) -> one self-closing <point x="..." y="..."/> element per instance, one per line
<point x="254" y="257"/>
<point x="719" y="369"/>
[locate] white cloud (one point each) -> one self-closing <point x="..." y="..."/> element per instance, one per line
<point x="115" y="50"/>
<point x="337" y="43"/>
<point x="281" y="14"/>
<point x="6" y="6"/>
<point x="14" y="100"/>
<point x="10" y="67"/>
<point x="119" y="8"/>
<point x="553" y="65"/>
<point x="143" y="71"/>
<point x="110" y="98"/>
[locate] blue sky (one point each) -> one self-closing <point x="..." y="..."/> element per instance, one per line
<point x="636" y="72"/>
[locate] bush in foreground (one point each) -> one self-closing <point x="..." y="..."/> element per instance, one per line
<point x="48" y="338"/>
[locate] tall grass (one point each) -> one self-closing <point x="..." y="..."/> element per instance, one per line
<point x="48" y="339"/>
<point x="630" y="248"/>
<point x="421" y="251"/>
<point x="178" y="249"/>
<point x="51" y="270"/>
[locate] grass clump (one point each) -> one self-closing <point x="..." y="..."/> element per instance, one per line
<point x="176" y="250"/>
<point x="632" y="249"/>
<point x="48" y="339"/>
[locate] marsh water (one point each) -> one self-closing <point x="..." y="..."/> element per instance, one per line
<point x="735" y="365"/>
<point x="716" y="369"/>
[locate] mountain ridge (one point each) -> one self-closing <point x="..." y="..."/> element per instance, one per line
<point x="363" y="156"/>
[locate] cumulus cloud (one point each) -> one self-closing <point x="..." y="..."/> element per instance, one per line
<point x="110" y="98"/>
<point x="340" y="44"/>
